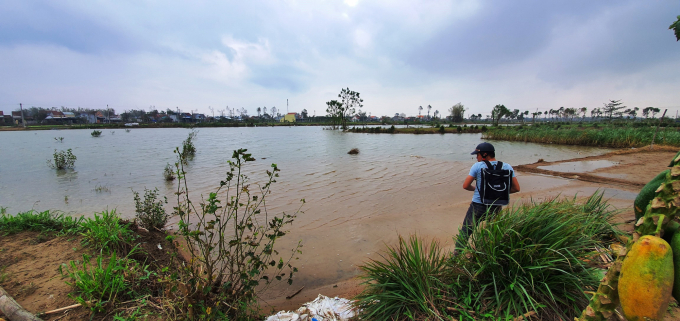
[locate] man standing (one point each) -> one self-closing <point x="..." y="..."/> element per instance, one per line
<point x="487" y="205"/>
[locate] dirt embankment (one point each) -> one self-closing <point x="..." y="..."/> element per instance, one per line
<point x="29" y="263"/>
<point x="628" y="167"/>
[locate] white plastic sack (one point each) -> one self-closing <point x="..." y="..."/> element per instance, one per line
<point x="322" y="308"/>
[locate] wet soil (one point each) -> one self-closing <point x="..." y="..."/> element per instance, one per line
<point x="29" y="263"/>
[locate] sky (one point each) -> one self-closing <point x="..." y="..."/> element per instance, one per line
<point x="208" y="56"/>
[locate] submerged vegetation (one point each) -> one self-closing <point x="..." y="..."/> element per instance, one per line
<point x="62" y="159"/>
<point x="96" y="133"/>
<point x="535" y="258"/>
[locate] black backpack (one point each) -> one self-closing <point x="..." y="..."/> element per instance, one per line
<point x="494" y="188"/>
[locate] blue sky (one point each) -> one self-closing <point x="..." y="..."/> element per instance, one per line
<point x="528" y="55"/>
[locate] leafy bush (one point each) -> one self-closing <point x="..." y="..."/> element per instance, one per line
<point x="188" y="148"/>
<point x="150" y="212"/>
<point x="47" y="221"/>
<point x="107" y="232"/>
<point x="96" y="133"/>
<point x="62" y="159"/>
<point x="407" y="283"/>
<point x="231" y="240"/>
<point x="442" y="129"/>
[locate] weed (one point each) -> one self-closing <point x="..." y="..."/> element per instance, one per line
<point x="127" y="130"/>
<point x="66" y="199"/>
<point x="168" y="173"/>
<point x="101" y="189"/>
<point x="231" y="241"/>
<point x="62" y="159"/>
<point x="96" y="133"/>
<point x="99" y="285"/>
<point x="150" y="212"/>
<point x="442" y="129"/>
<point x="59" y="139"/>
<point x="4" y="276"/>
<point x="107" y="232"/>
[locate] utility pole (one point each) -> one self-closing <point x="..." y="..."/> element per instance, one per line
<point x="286" y="105"/>
<point x="23" y="122"/>
<point x="108" y="114"/>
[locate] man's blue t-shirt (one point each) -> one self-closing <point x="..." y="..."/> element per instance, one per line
<point x="476" y="172"/>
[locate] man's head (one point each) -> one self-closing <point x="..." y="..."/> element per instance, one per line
<point x="484" y="150"/>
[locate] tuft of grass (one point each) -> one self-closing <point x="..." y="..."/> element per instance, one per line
<point x="538" y="256"/>
<point x="107" y="232"/>
<point x="96" y="133"/>
<point x="102" y="188"/>
<point x="47" y="221"/>
<point x="534" y="257"/>
<point x="100" y="285"/>
<point x="406" y="283"/>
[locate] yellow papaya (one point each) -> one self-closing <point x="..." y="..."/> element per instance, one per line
<point x="675" y="246"/>
<point x="646" y="280"/>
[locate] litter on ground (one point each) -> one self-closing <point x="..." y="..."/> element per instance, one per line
<point x="322" y="308"/>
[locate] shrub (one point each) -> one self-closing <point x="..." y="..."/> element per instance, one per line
<point x="62" y="159"/>
<point x="353" y="151"/>
<point x="442" y="129"/>
<point x="96" y="133"/>
<point x="391" y="129"/>
<point x="150" y="212"/>
<point x="188" y="148"/>
<point x="231" y="240"/>
<point x="107" y="232"/>
<point x="168" y="173"/>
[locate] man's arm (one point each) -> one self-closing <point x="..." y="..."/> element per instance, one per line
<point x="467" y="184"/>
<point x="514" y="188"/>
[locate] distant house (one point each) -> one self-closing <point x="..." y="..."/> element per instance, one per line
<point x="199" y="117"/>
<point x="289" y="117"/>
<point x="186" y="117"/>
<point x="355" y="118"/>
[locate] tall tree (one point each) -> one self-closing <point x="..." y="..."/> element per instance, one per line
<point x="259" y="110"/>
<point x="304" y="113"/>
<point x="612" y="107"/>
<point x="420" y="108"/>
<point x="350" y="100"/>
<point x="457" y="112"/>
<point x="498" y="112"/>
<point x="429" y="107"/>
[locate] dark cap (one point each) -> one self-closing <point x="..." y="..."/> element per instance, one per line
<point x="483" y="148"/>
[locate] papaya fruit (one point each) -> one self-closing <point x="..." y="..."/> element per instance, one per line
<point x="646" y="280"/>
<point x="647" y="194"/>
<point x="675" y="246"/>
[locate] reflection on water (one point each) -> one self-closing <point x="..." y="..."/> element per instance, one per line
<point x="580" y="166"/>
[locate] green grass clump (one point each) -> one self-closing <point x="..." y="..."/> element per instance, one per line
<point x="534" y="257"/>
<point x="96" y="133"/>
<point x="62" y="159"/>
<point x="107" y="232"/>
<point x="47" y="221"/>
<point x="101" y="285"/>
<point x="406" y="283"/>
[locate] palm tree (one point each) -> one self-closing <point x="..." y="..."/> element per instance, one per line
<point x="429" y="107"/>
<point x="259" y="110"/>
<point x="420" y="108"/>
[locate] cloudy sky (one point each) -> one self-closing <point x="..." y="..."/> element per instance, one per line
<point x="399" y="54"/>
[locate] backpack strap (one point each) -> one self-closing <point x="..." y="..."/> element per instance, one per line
<point x="488" y="164"/>
<point x="499" y="165"/>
